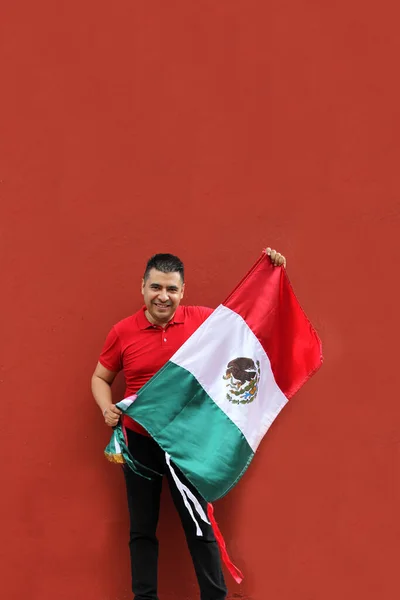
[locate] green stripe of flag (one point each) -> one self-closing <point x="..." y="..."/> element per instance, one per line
<point x="208" y="456"/>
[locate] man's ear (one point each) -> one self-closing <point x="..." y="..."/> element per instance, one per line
<point x="183" y="290"/>
<point x="143" y="284"/>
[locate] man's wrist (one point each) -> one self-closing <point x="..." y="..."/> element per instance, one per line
<point x="104" y="410"/>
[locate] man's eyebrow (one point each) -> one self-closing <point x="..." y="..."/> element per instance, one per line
<point x="170" y="287"/>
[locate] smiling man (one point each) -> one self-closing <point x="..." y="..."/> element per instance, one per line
<point x="140" y="345"/>
<point x="162" y="294"/>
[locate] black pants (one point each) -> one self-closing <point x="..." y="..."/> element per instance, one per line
<point x="144" y="504"/>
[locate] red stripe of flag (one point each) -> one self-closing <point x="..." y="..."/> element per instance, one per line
<point x="266" y="301"/>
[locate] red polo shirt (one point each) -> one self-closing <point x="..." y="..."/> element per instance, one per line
<point x="140" y="349"/>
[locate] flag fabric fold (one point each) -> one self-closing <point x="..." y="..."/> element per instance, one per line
<point x="213" y="401"/>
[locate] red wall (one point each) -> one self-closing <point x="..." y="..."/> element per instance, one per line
<point x="208" y="129"/>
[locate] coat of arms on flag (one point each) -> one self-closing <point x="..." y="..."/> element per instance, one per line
<point x="243" y="376"/>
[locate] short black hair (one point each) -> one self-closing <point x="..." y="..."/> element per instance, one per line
<point x="166" y="263"/>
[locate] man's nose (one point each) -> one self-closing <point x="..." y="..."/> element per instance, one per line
<point x="163" y="296"/>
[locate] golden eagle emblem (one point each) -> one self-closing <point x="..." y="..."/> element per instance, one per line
<point x="242" y="376"/>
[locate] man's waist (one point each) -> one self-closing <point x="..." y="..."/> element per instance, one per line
<point x="134" y="426"/>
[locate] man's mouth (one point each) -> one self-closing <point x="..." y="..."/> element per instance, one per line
<point x="161" y="306"/>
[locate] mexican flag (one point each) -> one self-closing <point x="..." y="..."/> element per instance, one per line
<point x="210" y="406"/>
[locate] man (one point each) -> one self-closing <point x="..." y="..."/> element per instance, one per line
<point x="140" y="345"/>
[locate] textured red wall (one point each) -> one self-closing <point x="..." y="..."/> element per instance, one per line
<point x="209" y="129"/>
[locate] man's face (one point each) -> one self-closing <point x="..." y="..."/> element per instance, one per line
<point x="162" y="293"/>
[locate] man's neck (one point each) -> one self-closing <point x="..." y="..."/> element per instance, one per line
<point x="153" y="321"/>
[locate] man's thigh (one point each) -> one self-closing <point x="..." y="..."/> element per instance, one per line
<point x="144" y="494"/>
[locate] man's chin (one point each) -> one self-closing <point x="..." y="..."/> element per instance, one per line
<point x="163" y="315"/>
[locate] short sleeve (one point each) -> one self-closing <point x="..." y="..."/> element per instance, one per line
<point x="204" y="312"/>
<point x="110" y="356"/>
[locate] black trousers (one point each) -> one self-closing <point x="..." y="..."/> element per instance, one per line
<point x="144" y="505"/>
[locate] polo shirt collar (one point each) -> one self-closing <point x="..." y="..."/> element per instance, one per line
<point x="143" y="323"/>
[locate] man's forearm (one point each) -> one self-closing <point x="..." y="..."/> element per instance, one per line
<point x="102" y="393"/>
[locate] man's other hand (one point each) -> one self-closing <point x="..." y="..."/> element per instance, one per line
<point x="277" y="259"/>
<point x="111" y="415"/>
